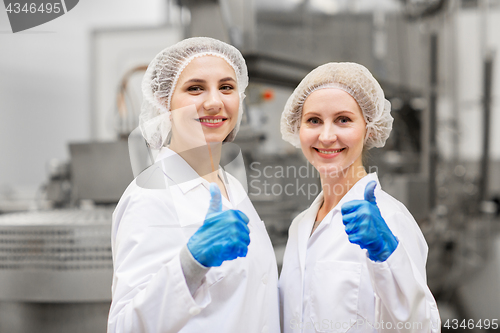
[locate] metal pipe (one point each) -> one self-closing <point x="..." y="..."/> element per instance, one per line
<point x="487" y="88"/>
<point x="433" y="153"/>
<point x="455" y="79"/>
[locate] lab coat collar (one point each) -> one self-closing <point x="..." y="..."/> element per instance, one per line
<point x="357" y="192"/>
<point x="304" y="229"/>
<point x="178" y="170"/>
<point x="306" y="223"/>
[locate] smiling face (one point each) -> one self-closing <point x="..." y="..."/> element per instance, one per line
<point x="207" y="87"/>
<point x="332" y="131"/>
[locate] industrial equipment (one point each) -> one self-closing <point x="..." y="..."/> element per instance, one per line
<point x="55" y="265"/>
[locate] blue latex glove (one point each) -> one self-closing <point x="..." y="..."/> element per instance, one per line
<point x="223" y="236"/>
<point x="365" y="226"/>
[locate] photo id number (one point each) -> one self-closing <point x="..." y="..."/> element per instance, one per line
<point x="471" y="324"/>
<point x="33" y="8"/>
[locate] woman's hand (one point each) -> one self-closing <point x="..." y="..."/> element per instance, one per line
<point x="223" y="236"/>
<point x="365" y="226"/>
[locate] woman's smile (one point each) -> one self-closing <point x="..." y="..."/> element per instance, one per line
<point x="332" y="130"/>
<point x="328" y="153"/>
<point x="213" y="121"/>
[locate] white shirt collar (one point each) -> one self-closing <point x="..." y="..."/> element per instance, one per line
<point x="357" y="192"/>
<point x="306" y="223"/>
<point x="181" y="173"/>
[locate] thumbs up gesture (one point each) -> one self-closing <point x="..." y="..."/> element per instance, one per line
<point x="365" y="226"/>
<point x="223" y="235"/>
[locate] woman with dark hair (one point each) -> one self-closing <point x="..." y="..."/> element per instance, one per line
<point x="190" y="252"/>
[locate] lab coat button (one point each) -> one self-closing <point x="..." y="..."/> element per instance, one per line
<point x="265" y="278"/>
<point x="194" y="311"/>
<point x="265" y="329"/>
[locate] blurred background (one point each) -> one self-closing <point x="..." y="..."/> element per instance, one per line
<point x="70" y="97"/>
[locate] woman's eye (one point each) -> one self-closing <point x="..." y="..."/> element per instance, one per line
<point x="195" y="88"/>
<point x="344" y="120"/>
<point x="226" y="87"/>
<point x="313" y="121"/>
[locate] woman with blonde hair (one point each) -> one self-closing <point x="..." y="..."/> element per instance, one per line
<point x="355" y="260"/>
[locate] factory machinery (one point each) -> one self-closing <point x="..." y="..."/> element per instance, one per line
<point x="56" y="265"/>
<point x="55" y="270"/>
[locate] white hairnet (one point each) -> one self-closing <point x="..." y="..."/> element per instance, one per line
<point x="352" y="78"/>
<point x="161" y="78"/>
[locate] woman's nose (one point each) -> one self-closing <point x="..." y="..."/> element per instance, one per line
<point x="213" y="102"/>
<point x="328" y="135"/>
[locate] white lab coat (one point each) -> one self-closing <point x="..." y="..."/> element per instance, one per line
<point x="328" y="284"/>
<point x="151" y="225"/>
